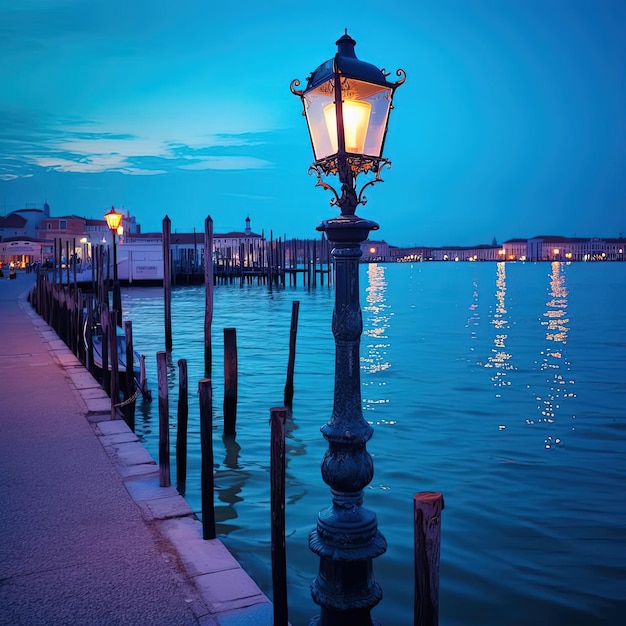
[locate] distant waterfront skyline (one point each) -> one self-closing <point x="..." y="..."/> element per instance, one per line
<point x="511" y="122"/>
<point x="374" y="235"/>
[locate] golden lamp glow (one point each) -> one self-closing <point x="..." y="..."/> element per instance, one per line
<point x="555" y="251"/>
<point x="372" y="250"/>
<point x="113" y="219"/>
<point x="356" y="119"/>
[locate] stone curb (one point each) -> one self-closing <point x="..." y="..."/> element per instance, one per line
<point x="231" y="597"/>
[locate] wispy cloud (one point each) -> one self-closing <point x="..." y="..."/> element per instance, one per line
<point x="227" y="163"/>
<point x="82" y="146"/>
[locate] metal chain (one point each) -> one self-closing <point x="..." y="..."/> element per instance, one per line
<point x="131" y="399"/>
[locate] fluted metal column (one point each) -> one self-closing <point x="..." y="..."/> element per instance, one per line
<point x="346" y="537"/>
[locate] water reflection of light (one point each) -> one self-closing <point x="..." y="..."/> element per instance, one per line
<point x="500" y="358"/>
<point x="554" y="357"/>
<point x="374" y="355"/>
<point x="474" y="318"/>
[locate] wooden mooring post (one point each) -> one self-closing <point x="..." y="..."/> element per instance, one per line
<point x="117" y="302"/>
<point x="278" y="417"/>
<point x="167" y="282"/>
<point x="230" y="381"/>
<point x="208" y="287"/>
<point x="129" y="386"/>
<point x="115" y="377"/>
<point x="427" y="520"/>
<point x="106" y="373"/>
<point x="293" y="332"/>
<point x="88" y="336"/>
<point x="181" y="427"/>
<point x="207" y="478"/>
<point x="164" y="421"/>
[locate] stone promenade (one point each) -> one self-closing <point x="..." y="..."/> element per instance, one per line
<point x="87" y="536"/>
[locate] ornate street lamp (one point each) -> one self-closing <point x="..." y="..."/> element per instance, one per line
<point x="114" y="220"/>
<point x="347" y="104"/>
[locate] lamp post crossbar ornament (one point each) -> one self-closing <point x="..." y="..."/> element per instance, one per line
<point x="347" y="104"/>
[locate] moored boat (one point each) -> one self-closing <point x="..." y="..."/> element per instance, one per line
<point x="139" y="369"/>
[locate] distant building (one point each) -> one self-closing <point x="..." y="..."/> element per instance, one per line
<point x="13" y="225"/>
<point x="481" y="252"/>
<point x="23" y="223"/>
<point x="375" y="251"/>
<point x="557" y="248"/>
<point x="188" y="248"/>
<point x="21" y="251"/>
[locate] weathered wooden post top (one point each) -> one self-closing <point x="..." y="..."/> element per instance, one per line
<point x="347" y="104"/>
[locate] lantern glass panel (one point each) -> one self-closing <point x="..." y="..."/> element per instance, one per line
<point x="378" y="99"/>
<point x="315" y="102"/>
<point x="365" y="109"/>
<point x="113" y="219"/>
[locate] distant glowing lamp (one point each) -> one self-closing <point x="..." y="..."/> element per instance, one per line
<point x="113" y="219"/>
<point x="372" y="250"/>
<point x="555" y="251"/>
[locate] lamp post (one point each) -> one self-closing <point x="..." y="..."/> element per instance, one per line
<point x="347" y="104"/>
<point x="114" y="220"/>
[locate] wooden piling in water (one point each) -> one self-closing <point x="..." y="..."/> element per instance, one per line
<point x="167" y="285"/>
<point x="206" y="445"/>
<point x="115" y="379"/>
<point x="104" y="323"/>
<point x="293" y="332"/>
<point x="427" y="526"/>
<point x="278" y="416"/>
<point x="88" y="336"/>
<point x="129" y="388"/>
<point x="164" y="421"/>
<point x="230" y="381"/>
<point x="79" y="313"/>
<point x="67" y="260"/>
<point x="181" y="427"/>
<point x="208" y="301"/>
<point x="74" y="261"/>
<point x="117" y="302"/>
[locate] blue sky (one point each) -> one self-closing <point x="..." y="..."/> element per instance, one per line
<point x="512" y="121"/>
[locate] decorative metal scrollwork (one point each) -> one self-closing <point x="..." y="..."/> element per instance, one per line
<point x="349" y="199"/>
<point x="296" y="83"/>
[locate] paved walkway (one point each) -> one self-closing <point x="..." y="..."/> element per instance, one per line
<point x="87" y="536"/>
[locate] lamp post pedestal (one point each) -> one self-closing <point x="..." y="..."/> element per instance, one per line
<point x="346" y="537"/>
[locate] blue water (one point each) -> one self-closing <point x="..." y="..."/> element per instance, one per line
<point x="501" y="385"/>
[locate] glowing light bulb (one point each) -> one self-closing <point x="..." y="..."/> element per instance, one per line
<point x="356" y="117"/>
